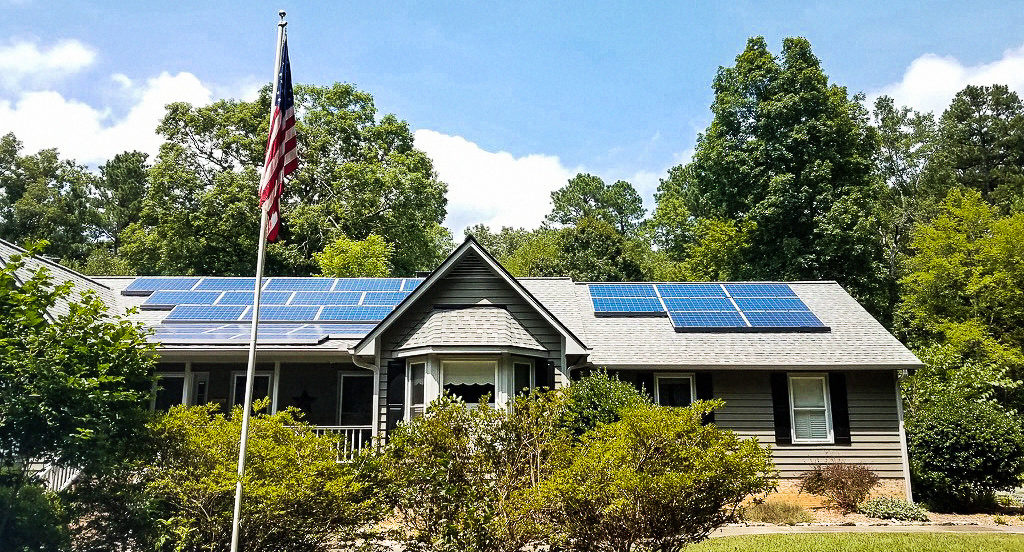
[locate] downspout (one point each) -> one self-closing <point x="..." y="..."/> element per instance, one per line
<point x="376" y="390"/>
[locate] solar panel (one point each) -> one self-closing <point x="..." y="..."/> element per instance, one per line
<point x="205" y="312"/>
<point x="167" y="299"/>
<point x="771" y="304"/>
<point x="622" y="290"/>
<point x="384" y="297"/>
<point x="691" y="290"/>
<point x="691" y="320"/>
<point x="245" y="297"/>
<point x="759" y="290"/>
<point x="300" y="284"/>
<point x="368" y="284"/>
<point x="327" y="298"/>
<point x="285" y="312"/>
<point x="410" y="284"/>
<point x="356" y="313"/>
<point x="627" y="305"/>
<point x="699" y="304"/>
<point x="226" y="284"/>
<point x="777" y="319"/>
<point x="146" y="285"/>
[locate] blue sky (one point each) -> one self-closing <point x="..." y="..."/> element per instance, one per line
<point x="508" y="100"/>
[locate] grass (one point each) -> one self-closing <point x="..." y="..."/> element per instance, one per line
<point x="865" y="542"/>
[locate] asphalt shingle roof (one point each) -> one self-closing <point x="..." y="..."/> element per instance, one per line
<point x="59" y="274"/>
<point x="470" y="326"/>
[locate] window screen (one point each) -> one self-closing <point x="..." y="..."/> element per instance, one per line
<point x="417" y="373"/>
<point x="808" y="396"/>
<point x="521" y="377"/>
<point x="260" y="388"/>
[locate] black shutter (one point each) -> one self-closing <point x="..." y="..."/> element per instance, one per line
<point x="705" y="392"/>
<point x="840" y="408"/>
<point x="780" y="408"/>
<point x="544" y="373"/>
<point x="396" y="393"/>
<point x="645" y="383"/>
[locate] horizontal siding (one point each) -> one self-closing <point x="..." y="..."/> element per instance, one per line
<point x="874" y="422"/>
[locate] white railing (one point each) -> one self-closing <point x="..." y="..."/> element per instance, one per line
<point x="58" y="478"/>
<point x="351" y="439"/>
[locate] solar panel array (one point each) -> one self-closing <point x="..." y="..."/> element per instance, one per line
<point x="709" y="306"/>
<point x="292" y="310"/>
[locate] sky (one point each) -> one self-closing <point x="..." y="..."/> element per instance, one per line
<point x="510" y="100"/>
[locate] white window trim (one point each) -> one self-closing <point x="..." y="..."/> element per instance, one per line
<point x="184" y="386"/>
<point x="195" y="378"/>
<point x="495" y="399"/>
<point x="675" y="375"/>
<point x="407" y="415"/>
<point x="828" y="410"/>
<point x="271" y="388"/>
<point x="533" y="374"/>
<point x="342" y="374"/>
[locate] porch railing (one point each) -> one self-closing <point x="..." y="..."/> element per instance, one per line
<point x="351" y="439"/>
<point x="58" y="478"/>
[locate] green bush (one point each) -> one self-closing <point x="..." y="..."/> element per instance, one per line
<point x="887" y="507"/>
<point x="961" y="452"/>
<point x="34" y="521"/>
<point x="778" y="513"/>
<point x="597" y="399"/>
<point x="657" y="478"/>
<point x="843" y="485"/>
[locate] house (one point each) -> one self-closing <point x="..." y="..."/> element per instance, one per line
<point x="800" y="365"/>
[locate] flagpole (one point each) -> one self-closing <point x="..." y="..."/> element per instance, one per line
<point x="250" y="371"/>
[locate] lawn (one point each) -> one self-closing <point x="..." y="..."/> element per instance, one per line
<point x="865" y="542"/>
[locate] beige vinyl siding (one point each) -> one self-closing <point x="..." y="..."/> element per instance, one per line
<point x="874" y="421"/>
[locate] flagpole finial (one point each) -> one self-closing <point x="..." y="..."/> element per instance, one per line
<point x="282" y="14"/>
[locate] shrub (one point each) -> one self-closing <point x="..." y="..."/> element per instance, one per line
<point x="887" y="507"/>
<point x="35" y="520"/>
<point x="843" y="485"/>
<point x="658" y="477"/>
<point x="597" y="399"/>
<point x="778" y="513"/>
<point x="961" y="452"/>
<point x="297" y="496"/>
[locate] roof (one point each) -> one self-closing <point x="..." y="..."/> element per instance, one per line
<point x="472" y="326"/>
<point x="855" y="338"/>
<point x="59" y="275"/>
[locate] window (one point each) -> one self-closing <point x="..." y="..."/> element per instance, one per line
<point x="260" y="388"/>
<point x="356" y="400"/>
<point x="522" y="378"/>
<point x="200" y="388"/>
<point x="809" y="409"/>
<point x="674" y="389"/>
<point x="417" y="375"/>
<point x="170" y="391"/>
<point x="470" y="380"/>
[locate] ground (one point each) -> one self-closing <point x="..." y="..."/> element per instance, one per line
<point x="860" y="542"/>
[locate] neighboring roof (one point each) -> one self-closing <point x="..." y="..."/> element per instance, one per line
<point x="573" y="344"/>
<point x="855" y="338"/>
<point x="472" y="326"/>
<point x="59" y="274"/>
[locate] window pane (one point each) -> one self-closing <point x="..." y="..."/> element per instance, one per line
<point x="808" y="392"/>
<point x="356" y="400"/>
<point x="260" y="388"/>
<point x="200" y="385"/>
<point x="521" y="377"/>
<point x="168" y="392"/>
<point x="810" y="424"/>
<point x="418" y="370"/>
<point x="469" y="380"/>
<point x="674" y="392"/>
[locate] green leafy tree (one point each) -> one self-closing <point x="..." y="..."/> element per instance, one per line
<point x="121" y="187"/>
<point x="980" y="144"/>
<point x="595" y="400"/>
<point x="587" y="196"/>
<point x="74" y="382"/>
<point x="503" y="243"/>
<point x="593" y="250"/>
<point x="345" y="258"/>
<point x="537" y="255"/>
<point x="658" y="478"/>
<point x="360" y="174"/>
<point x="792" y="154"/>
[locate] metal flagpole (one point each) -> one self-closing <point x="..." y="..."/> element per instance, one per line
<point x="250" y="371"/>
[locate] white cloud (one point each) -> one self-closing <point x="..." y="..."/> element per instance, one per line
<point x="24" y="63"/>
<point x="47" y="119"/>
<point x="931" y="81"/>
<point x="494" y="188"/>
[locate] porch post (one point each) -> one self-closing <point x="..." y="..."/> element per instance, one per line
<point x="274" y="387"/>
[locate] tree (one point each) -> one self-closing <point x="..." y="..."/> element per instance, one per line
<point x="792" y="154"/>
<point x="74" y="381"/>
<point x="44" y="197"/>
<point x="345" y="258"/>
<point x="594" y="251"/>
<point x="503" y="243"/>
<point x="359" y="175"/>
<point x="121" y="187"/>
<point x="587" y="196"/>
<point x="981" y="144"/>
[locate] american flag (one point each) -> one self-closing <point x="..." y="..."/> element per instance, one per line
<point x="282" y="155"/>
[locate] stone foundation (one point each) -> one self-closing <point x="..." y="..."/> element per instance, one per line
<point x="789" y="491"/>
